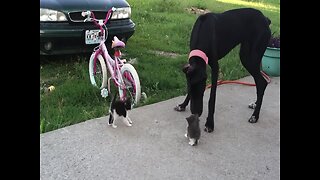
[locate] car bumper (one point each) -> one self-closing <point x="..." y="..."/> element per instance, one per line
<point x="69" y="38"/>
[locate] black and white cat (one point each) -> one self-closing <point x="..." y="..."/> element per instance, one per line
<point x="193" y="129"/>
<point x="119" y="109"/>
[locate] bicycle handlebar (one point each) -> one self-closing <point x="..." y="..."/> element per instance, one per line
<point x="100" y="23"/>
<point x="85" y="13"/>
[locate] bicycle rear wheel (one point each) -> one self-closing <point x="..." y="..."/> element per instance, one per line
<point x="100" y="78"/>
<point x="132" y="82"/>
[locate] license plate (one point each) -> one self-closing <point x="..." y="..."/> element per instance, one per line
<point x="92" y="36"/>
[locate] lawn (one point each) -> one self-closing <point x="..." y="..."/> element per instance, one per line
<point x="159" y="49"/>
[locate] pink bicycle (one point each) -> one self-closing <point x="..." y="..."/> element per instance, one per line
<point x="123" y="74"/>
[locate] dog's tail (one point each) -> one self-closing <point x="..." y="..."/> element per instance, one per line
<point x="268" y="20"/>
<point x="203" y="17"/>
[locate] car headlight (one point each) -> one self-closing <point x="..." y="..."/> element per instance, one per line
<point x="122" y="13"/>
<point x="51" y="15"/>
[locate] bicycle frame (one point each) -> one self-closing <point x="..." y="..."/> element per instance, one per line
<point x="114" y="66"/>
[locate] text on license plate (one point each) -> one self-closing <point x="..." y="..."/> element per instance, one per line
<point x="92" y="36"/>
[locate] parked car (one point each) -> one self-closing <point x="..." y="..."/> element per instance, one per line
<point x="62" y="28"/>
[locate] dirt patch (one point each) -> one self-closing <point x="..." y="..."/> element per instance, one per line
<point x="195" y="10"/>
<point x="166" y="54"/>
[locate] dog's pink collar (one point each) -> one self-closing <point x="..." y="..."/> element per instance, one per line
<point x="199" y="53"/>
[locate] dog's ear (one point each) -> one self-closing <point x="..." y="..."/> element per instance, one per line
<point x="187" y="69"/>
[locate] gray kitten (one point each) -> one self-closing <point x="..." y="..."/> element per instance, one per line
<point x="193" y="129"/>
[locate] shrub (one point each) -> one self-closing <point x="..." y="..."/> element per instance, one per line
<point x="274" y="41"/>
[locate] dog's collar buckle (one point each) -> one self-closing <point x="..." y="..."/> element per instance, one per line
<point x="199" y="53"/>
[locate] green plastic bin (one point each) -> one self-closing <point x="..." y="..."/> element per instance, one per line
<point x="271" y="61"/>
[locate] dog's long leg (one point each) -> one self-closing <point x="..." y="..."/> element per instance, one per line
<point x="258" y="50"/>
<point x="261" y="85"/>
<point x="182" y="106"/>
<point x="245" y="57"/>
<point x="251" y="56"/>
<point x="212" y="101"/>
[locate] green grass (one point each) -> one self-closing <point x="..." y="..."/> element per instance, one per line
<point x="161" y="25"/>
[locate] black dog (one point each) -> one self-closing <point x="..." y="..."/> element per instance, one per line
<point x="215" y="35"/>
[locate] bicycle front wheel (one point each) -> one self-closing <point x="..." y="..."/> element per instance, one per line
<point x="132" y="82"/>
<point x="99" y="77"/>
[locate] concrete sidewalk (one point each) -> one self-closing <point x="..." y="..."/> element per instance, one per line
<point x="155" y="146"/>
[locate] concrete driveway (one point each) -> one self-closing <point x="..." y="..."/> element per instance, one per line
<point x="155" y="146"/>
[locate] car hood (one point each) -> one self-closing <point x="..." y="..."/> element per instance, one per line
<point x="80" y="5"/>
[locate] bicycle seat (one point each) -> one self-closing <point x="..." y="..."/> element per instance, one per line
<point x="116" y="43"/>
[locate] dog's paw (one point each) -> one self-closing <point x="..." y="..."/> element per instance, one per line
<point x="114" y="126"/>
<point x="179" y="108"/>
<point x="252" y="105"/>
<point x="129" y="125"/>
<point x="186" y="135"/>
<point x="208" y="130"/>
<point x="253" y="119"/>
